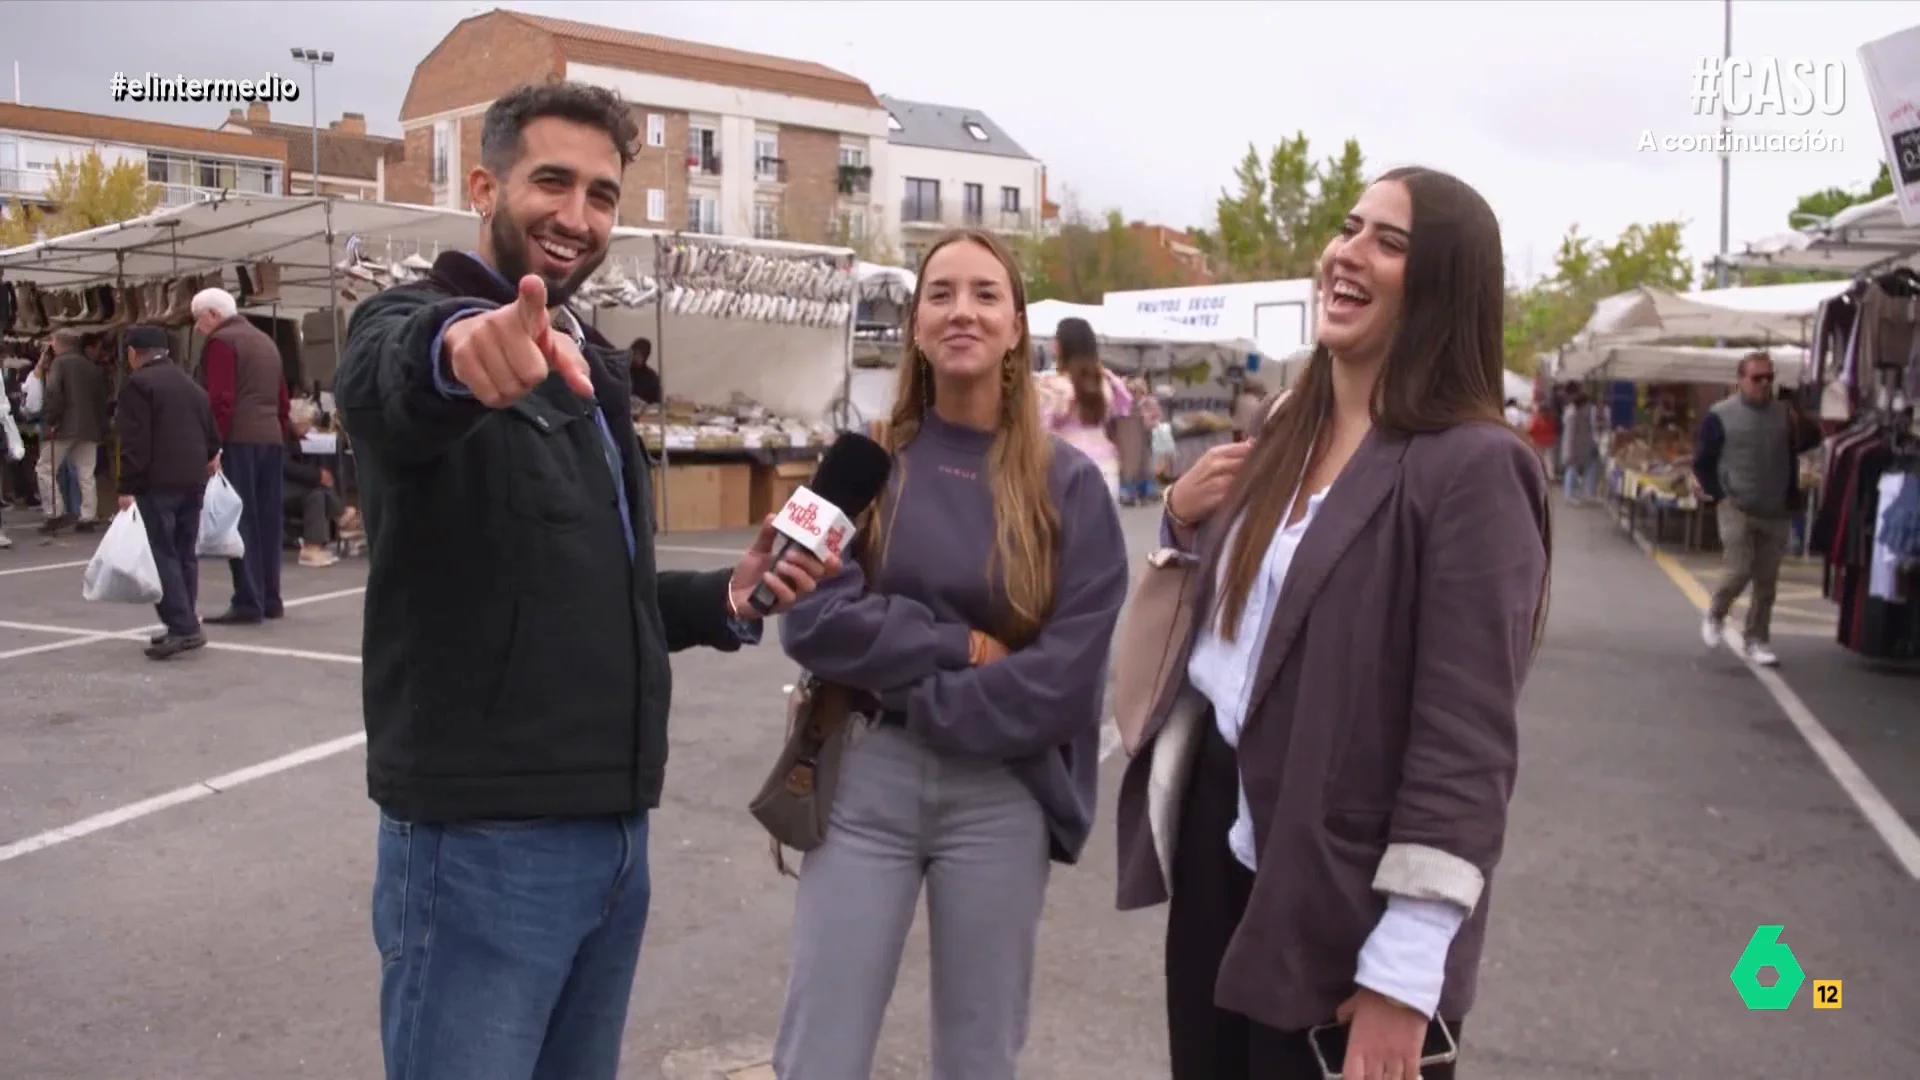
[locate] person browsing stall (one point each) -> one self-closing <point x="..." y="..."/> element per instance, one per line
<point x="517" y="632"/>
<point x="169" y="446"/>
<point x="1369" y="596"/>
<point x="977" y="619"/>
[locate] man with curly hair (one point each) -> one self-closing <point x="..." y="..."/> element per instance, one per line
<point x="517" y="633"/>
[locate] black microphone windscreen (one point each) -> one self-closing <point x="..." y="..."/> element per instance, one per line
<point x="852" y="473"/>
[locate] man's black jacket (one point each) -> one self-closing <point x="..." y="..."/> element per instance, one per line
<point x="167" y="434"/>
<point x="515" y="657"/>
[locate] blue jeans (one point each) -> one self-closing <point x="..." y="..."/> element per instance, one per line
<point x="173" y="530"/>
<point x="1580" y="480"/>
<point x="508" y="948"/>
<point x="257" y="473"/>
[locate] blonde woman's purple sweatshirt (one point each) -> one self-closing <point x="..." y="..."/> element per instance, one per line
<point x="905" y="640"/>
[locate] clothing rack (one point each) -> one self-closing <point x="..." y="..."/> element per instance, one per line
<point x="1868" y="530"/>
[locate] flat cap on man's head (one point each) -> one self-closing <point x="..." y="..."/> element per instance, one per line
<point x="146" y="337"/>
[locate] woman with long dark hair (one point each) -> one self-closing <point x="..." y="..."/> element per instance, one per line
<point x="1323" y="791"/>
<point x="975" y="617"/>
<point x="1081" y="401"/>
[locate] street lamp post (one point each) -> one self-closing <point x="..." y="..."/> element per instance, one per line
<point x="1726" y="156"/>
<point x="315" y="60"/>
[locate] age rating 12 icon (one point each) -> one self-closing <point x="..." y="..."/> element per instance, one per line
<point x="1765" y="950"/>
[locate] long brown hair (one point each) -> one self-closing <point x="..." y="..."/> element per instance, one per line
<point x="1443" y="369"/>
<point x="1080" y="362"/>
<point x="1026" y="524"/>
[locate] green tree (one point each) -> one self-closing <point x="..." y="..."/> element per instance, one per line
<point x="1285" y="210"/>
<point x="1546" y="314"/>
<point x="1089" y="257"/>
<point x="85" y="193"/>
<point x="1811" y="209"/>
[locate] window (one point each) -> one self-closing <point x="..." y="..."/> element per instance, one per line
<point x="766" y="221"/>
<point x="253" y="178"/>
<point x="975" y="196"/>
<point x="922" y="202"/>
<point x="853" y="227"/>
<point x="853" y="157"/>
<point x="656" y="129"/>
<point x="442" y="140"/>
<point x="656" y="205"/>
<point x="892" y="123"/>
<point x="766" y="156"/>
<point x="974" y="129"/>
<point x="703" y="214"/>
<point x="703" y="150"/>
<point x="1010" y="200"/>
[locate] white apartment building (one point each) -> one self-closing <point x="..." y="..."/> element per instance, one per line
<point x="732" y="142"/>
<point x="950" y="166"/>
<point x="186" y="163"/>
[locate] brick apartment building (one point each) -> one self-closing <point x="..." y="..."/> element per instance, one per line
<point x="186" y="163"/>
<point x="1173" y="253"/>
<point x="733" y="143"/>
<point x="353" y="164"/>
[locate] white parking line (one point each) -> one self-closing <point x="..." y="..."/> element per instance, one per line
<point x="88" y="637"/>
<point x="47" y="566"/>
<point x="199" y="790"/>
<point x="1880" y="814"/>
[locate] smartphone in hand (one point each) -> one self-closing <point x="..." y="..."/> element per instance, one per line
<point x="1330" y="1047"/>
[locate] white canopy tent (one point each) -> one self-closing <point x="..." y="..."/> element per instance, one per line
<point x="790" y="366"/>
<point x="215" y="234"/>
<point x="1868" y="236"/>
<point x="1134" y="343"/>
<point x="1651" y="335"/>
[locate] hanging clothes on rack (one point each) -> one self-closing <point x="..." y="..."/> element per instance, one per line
<point x="1865" y="337"/>
<point x="1868" y="535"/>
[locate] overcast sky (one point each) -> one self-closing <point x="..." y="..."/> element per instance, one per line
<point x="1142" y="106"/>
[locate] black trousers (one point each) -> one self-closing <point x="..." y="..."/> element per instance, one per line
<point x="173" y="528"/>
<point x="1210" y="894"/>
<point x="257" y="475"/>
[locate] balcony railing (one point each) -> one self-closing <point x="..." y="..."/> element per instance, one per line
<point x="926" y="213"/>
<point x="855" y="179"/>
<point x="25" y="181"/>
<point x="771" y="170"/>
<point x="700" y="164"/>
<point x="920" y="211"/>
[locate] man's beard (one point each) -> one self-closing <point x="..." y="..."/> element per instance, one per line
<point x="510" y="251"/>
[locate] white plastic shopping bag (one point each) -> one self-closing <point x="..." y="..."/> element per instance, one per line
<point x="123" y="570"/>
<point x="220" y="521"/>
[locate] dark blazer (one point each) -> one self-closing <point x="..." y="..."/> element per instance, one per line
<point x="1380" y="749"/>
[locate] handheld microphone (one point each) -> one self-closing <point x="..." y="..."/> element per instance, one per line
<point x="818" y="518"/>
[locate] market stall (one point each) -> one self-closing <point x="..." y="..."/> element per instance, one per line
<point x="1197" y="371"/>
<point x="752" y="341"/>
<point x="1657" y="361"/>
<point x="751" y="337"/>
<point x="278" y="256"/>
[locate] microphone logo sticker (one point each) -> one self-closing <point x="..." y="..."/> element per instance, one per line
<point x="836" y="536"/>
<point x="805" y="516"/>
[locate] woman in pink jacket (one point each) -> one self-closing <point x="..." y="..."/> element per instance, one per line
<point x="1080" y="399"/>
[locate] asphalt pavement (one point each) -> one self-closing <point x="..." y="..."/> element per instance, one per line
<point x="186" y="851"/>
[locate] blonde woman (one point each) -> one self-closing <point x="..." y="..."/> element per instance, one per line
<point x="977" y="624"/>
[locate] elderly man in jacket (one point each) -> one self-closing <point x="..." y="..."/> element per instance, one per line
<point x="76" y="420"/>
<point x="168" y="444"/>
<point x="247" y="384"/>
<point x="517" y="629"/>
